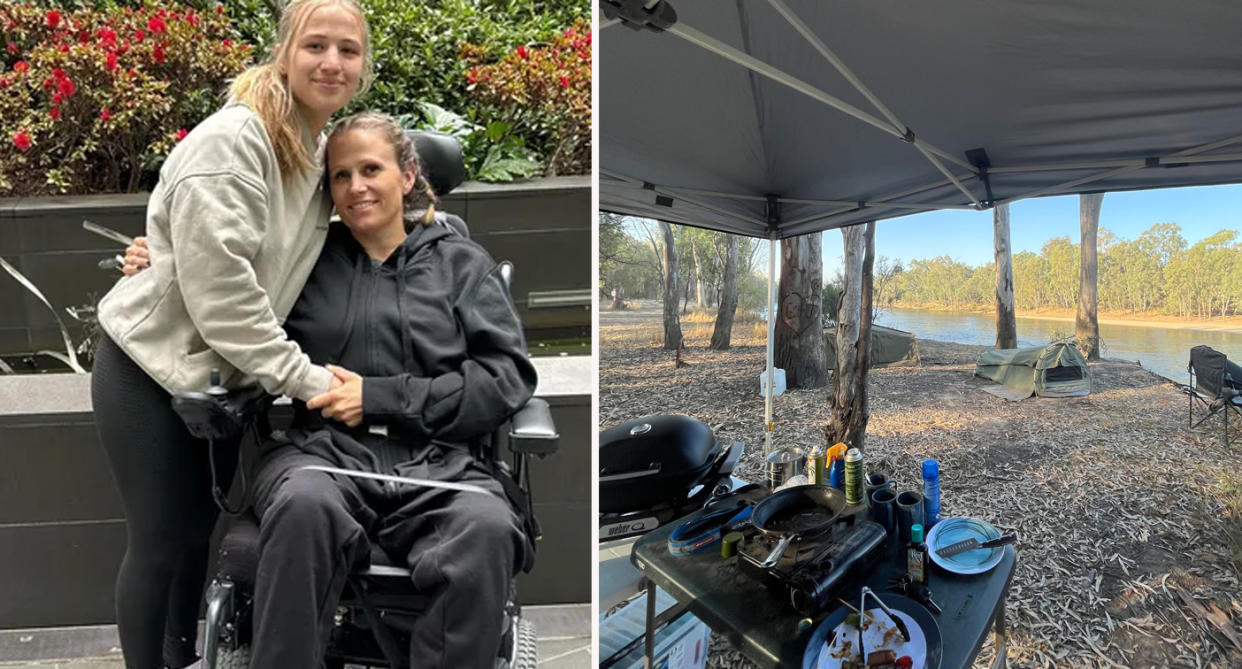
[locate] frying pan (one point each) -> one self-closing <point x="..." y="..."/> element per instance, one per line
<point x="797" y="513"/>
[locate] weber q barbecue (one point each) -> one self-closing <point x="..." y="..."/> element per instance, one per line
<point x="657" y="468"/>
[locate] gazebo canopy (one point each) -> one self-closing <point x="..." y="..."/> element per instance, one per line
<point x="787" y="117"/>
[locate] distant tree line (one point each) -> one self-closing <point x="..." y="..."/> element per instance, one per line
<point x="1158" y="272"/>
<point x="631" y="264"/>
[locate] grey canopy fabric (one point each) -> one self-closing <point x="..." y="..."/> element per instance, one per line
<point x="739" y="105"/>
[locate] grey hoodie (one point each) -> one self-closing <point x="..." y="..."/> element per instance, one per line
<point x="233" y="242"/>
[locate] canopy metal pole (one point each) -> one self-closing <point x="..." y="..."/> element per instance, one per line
<point x="768" y="424"/>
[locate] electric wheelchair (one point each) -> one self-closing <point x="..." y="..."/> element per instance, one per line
<point x="375" y="614"/>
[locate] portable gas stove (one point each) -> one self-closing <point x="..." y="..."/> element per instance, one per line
<point x="813" y="570"/>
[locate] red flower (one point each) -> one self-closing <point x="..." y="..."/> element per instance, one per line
<point x="156" y="24"/>
<point x="54" y="113"/>
<point x="227" y="43"/>
<point x="67" y="88"/>
<point x="588" y="37"/>
<point x="157" y="54"/>
<point x="21" y="140"/>
<point x="472" y="77"/>
<point x="53" y="20"/>
<point x="48" y="84"/>
<point x="139" y="35"/>
<point x="107" y="37"/>
<point x="219" y="9"/>
<point x="63" y="48"/>
<point x="521" y="52"/>
<point x="58" y="74"/>
<point x="569" y="32"/>
<point x="564" y="81"/>
<point x="181" y="133"/>
<point x="192" y="18"/>
<point x="57" y="98"/>
<point x="111" y="64"/>
<point x="105" y="115"/>
<point x="21" y="67"/>
<point x="12" y="47"/>
<point x="5" y="82"/>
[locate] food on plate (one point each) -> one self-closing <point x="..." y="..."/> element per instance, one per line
<point x="881" y="658"/>
<point x="882" y="641"/>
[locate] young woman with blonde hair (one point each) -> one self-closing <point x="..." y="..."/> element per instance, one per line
<point x="238" y="218"/>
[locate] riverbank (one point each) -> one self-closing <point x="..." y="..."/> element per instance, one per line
<point x="1231" y="324"/>
<point x="1125" y="516"/>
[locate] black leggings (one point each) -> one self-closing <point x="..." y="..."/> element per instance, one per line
<point x="165" y="481"/>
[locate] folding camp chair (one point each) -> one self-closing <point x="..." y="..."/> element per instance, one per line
<point x="1216" y="385"/>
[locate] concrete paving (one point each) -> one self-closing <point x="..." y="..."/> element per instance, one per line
<point x="564" y="642"/>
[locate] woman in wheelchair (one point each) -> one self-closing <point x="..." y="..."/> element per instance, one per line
<point x="422" y="315"/>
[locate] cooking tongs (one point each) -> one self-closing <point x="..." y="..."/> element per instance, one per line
<point x="862" y="608"/>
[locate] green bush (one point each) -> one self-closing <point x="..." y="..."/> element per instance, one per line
<point x="88" y="101"/>
<point x="424" y="53"/>
<point x="544" y="93"/>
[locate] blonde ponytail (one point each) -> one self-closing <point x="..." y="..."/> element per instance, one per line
<point x="262" y="89"/>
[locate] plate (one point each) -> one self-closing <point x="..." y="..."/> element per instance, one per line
<point x="952" y="530"/>
<point x="925" y="646"/>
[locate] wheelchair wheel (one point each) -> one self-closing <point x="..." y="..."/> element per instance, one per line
<point x="233" y="658"/>
<point x="526" y="655"/>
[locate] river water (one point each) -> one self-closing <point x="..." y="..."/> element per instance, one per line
<point x="1164" y="351"/>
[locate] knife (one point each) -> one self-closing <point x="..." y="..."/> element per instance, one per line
<point x="973" y="543"/>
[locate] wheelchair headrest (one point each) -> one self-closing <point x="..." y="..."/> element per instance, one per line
<point x="442" y="160"/>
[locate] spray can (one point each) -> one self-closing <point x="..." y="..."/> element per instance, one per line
<point x="815" y="465"/>
<point x="853" y="477"/>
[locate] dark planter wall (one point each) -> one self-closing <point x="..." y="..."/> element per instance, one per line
<point x="528" y="223"/>
<point x="62" y="529"/>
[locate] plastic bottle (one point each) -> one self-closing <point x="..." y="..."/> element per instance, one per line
<point x="836" y="468"/>
<point x="916" y="555"/>
<point x="931" y="493"/>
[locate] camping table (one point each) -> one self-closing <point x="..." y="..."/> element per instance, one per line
<point x="761" y="623"/>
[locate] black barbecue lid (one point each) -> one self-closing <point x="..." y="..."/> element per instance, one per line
<point x="674" y="443"/>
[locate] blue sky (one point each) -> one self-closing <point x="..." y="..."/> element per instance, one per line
<point x="966" y="236"/>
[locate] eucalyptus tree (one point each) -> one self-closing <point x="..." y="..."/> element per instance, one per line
<point x="1086" y="321"/>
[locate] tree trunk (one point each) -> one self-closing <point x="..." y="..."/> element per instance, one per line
<point x="1006" y="322"/>
<point x="672" y="323"/>
<point x="850" y="410"/>
<point x="798" y="340"/>
<point x="698" y="275"/>
<point x="618" y="298"/>
<point x="1087" y="323"/>
<point x="723" y="330"/>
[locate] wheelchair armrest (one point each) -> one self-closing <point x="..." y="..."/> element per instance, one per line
<point x="531" y="429"/>
<point x="219" y="414"/>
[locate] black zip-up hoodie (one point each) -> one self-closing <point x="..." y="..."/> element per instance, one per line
<point x="434" y="334"/>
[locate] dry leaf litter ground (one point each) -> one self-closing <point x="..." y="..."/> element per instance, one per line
<point x="1130" y="524"/>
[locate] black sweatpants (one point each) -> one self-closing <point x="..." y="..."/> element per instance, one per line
<point x="164" y="478"/>
<point x="460" y="547"/>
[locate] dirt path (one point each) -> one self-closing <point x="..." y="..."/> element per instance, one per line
<point x="1130" y="524"/>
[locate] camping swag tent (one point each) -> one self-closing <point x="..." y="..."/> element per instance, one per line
<point x="1055" y="370"/>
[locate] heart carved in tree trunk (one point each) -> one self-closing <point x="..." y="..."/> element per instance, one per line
<point x="799" y="313"/>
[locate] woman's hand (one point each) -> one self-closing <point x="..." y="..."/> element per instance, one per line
<point x="137" y="257"/>
<point x="343" y="402"/>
